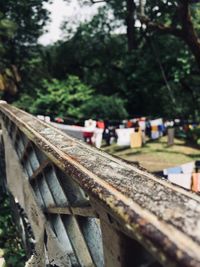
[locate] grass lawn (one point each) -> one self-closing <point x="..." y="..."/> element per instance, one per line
<point x="156" y="155"/>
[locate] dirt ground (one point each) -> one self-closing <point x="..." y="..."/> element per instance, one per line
<point x="156" y="155"/>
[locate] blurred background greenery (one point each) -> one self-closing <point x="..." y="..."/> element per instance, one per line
<point x="144" y="53"/>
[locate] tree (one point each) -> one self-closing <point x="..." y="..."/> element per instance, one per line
<point x="166" y="17"/>
<point x="94" y="54"/>
<point x="99" y="56"/>
<point x="8" y="74"/>
<point x="124" y="10"/>
<point x="62" y="98"/>
<point x="21" y="47"/>
<point x="105" y="108"/>
<point x="175" y="18"/>
<point x="7" y="30"/>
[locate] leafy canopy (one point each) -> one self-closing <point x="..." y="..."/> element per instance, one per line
<point x="63" y="98"/>
<point x="21" y="24"/>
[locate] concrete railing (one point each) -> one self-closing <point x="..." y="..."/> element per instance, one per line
<point x="87" y="208"/>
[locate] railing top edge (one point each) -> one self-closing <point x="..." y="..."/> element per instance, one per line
<point x="164" y="214"/>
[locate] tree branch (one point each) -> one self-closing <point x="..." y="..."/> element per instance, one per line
<point x="161" y="28"/>
<point x="130" y="21"/>
<point x="98" y="1"/>
<point x="189" y="33"/>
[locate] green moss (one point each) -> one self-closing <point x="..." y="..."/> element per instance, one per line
<point x="10" y="243"/>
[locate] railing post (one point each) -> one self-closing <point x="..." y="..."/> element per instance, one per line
<point x="114" y="247"/>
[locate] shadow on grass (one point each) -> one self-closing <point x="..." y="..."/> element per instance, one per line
<point x="177" y="152"/>
<point x="192" y="144"/>
<point x="133" y="153"/>
<point x="120" y="148"/>
<point x="194" y="156"/>
<point x="168" y="151"/>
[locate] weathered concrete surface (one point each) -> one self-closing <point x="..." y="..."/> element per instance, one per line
<point x="163" y="217"/>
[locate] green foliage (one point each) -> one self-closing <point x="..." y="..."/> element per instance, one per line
<point x="97" y="53"/>
<point x="25" y="102"/>
<point x="101" y="60"/>
<point x="7" y="27"/>
<point x="29" y="17"/>
<point x="194" y="135"/>
<point x="7" y="31"/>
<point x="21" y="23"/>
<point x="10" y="242"/>
<point x="105" y="107"/>
<point x="71" y="97"/>
<point x="63" y="98"/>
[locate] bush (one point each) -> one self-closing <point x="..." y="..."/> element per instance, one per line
<point x="105" y="107"/>
<point x="73" y="98"/>
<point x="58" y="98"/>
<point x="25" y="102"/>
<point x="194" y="135"/>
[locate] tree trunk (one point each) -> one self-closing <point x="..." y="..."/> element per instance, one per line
<point x="130" y="23"/>
<point x="189" y="34"/>
<point x="194" y="45"/>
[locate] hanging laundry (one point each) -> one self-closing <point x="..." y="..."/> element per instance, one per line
<point x="155" y="135"/>
<point x="47" y="119"/>
<point x="97" y="137"/>
<point x="40" y="117"/>
<point x="123" y="136"/>
<point x="156" y="128"/>
<point x="59" y="120"/>
<point x="156" y="122"/>
<point x="196" y="177"/>
<point x="184" y="168"/>
<point x="161" y="130"/>
<point x="196" y="182"/>
<point x="186" y="175"/>
<point x="100" y="124"/>
<point x="181" y="179"/>
<point x="173" y="170"/>
<point x="90" y="125"/>
<point x="129" y="124"/>
<point x="188" y="167"/>
<point x="142" y="125"/>
<point x="88" y="137"/>
<point x="136" y="139"/>
<point x="154" y="132"/>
